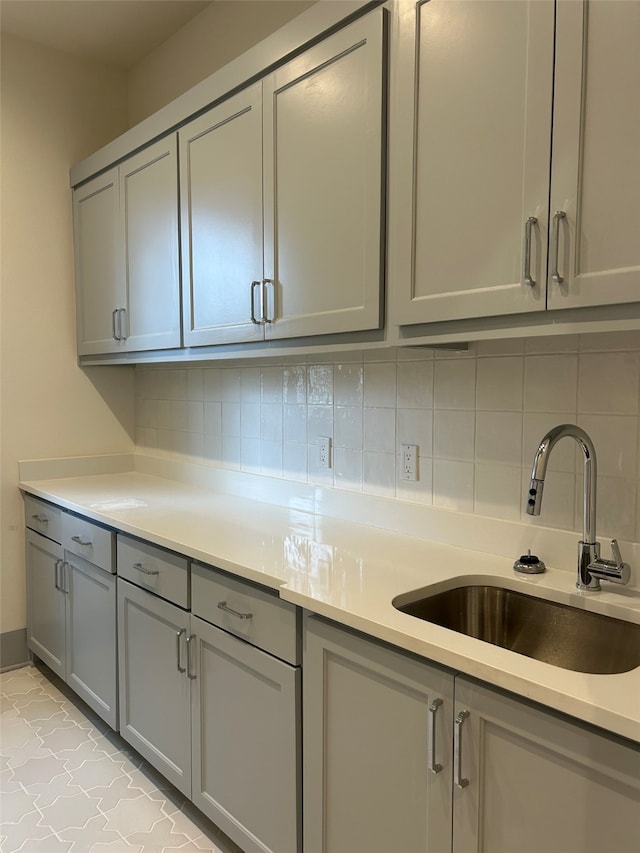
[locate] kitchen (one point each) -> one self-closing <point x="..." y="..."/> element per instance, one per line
<point x="462" y="408"/>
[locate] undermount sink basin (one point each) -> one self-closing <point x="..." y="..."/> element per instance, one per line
<point x="545" y="630"/>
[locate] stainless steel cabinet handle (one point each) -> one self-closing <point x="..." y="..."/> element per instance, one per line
<point x="41" y="518"/>
<point x="113" y="324"/>
<point x="188" y="641"/>
<point x="526" y="254"/>
<point x="222" y="605"/>
<point x="144" y="570"/>
<point x="457" y="749"/>
<point x="64" y="565"/>
<point x="56" y="570"/>
<point x="265" y="282"/>
<point x="558" y="216"/>
<point x="255" y="284"/>
<point x="178" y="635"/>
<point x="123" y="326"/>
<point x="81" y="541"/>
<point x="431" y="746"/>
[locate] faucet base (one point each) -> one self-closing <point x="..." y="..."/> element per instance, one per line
<point x="588" y="552"/>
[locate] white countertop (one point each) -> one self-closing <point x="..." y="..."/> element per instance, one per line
<point x="350" y="572"/>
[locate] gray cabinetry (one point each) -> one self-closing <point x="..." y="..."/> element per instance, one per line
<point x="71" y="603"/>
<point x="370" y="740"/>
<point x="154" y="689"/>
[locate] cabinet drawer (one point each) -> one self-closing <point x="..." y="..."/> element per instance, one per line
<point x="259" y="616"/>
<point x="43" y="517"/>
<point x="89" y="540"/>
<point x="155" y="569"/>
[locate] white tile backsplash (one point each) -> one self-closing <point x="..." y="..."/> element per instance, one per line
<point x="477" y="417"/>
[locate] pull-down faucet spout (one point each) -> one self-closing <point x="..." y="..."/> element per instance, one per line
<point x="590" y="567"/>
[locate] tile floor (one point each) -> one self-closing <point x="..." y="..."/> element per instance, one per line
<point x="68" y="784"/>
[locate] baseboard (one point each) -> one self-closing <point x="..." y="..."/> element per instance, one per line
<point x="13" y="649"/>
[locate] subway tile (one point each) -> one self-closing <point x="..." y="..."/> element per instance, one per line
<point x="615" y="438"/>
<point x="272" y="384"/>
<point x="609" y="383"/>
<point x="500" y="383"/>
<point x="348" y="469"/>
<point x="610" y="341"/>
<point x="453" y="484"/>
<point x="294" y="387"/>
<point x="558" y="504"/>
<point x="348" y="427"/>
<point x="271" y="458"/>
<point x="230" y="384"/>
<point x="231" y="451"/>
<point x="294" y="462"/>
<point x="250" y="385"/>
<point x="550" y="383"/>
<point x="250" y="420"/>
<point x="498" y="491"/>
<point x="420" y="490"/>
<point x="507" y="346"/>
<point x="179" y="414"/>
<point x="379" y="474"/>
<point x="499" y="438"/>
<point x="552" y="344"/>
<point x="295" y="424"/>
<point x="380" y="384"/>
<point x="535" y="426"/>
<point x="415" y="385"/>
<point x="250" y="455"/>
<point x="380" y="430"/>
<point x="315" y="474"/>
<point x="415" y="426"/>
<point x="615" y="510"/>
<point x="213" y="447"/>
<point x="212" y="384"/>
<point x="195" y="384"/>
<point x="213" y="418"/>
<point x="271" y="422"/>
<point x="348" y="384"/>
<point x="454" y="435"/>
<point x="163" y="414"/>
<point x="455" y="384"/>
<point x="195" y="416"/>
<point x="319" y="422"/>
<point x="320" y="384"/>
<point x="230" y="419"/>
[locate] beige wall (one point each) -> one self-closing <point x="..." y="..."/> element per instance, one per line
<point x="220" y="33"/>
<point x="55" y="111"/>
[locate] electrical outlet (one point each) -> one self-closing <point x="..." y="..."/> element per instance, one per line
<point x="324" y="446"/>
<point x="409" y="462"/>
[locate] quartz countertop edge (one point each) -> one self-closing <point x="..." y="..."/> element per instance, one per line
<point x="350" y="573"/>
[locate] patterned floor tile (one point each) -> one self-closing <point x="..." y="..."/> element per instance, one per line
<point x="71" y="785"/>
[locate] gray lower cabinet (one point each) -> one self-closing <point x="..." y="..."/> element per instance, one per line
<point x="377" y="747"/>
<point x="245" y="735"/>
<point x="71" y="607"/>
<point x="91" y="668"/>
<point x="46" y="601"/>
<point x="155" y="694"/>
<point x="510" y="775"/>
<point x="532" y="780"/>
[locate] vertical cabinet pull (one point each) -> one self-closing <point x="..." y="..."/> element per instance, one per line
<point x="56" y="574"/>
<point x="114" y="314"/>
<point x="526" y="254"/>
<point x="178" y="635"/>
<point x="431" y="746"/>
<point x="188" y="641"/>
<point x="457" y="749"/>
<point x="122" y="324"/>
<point x="255" y="284"/>
<point x="558" y="216"/>
<point x="265" y="282"/>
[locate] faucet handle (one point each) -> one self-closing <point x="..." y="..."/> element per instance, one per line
<point x="614" y="570"/>
<point x="617" y="556"/>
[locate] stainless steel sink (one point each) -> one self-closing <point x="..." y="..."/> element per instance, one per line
<point x="545" y="630"/>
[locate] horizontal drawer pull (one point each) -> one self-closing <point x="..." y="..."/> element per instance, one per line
<point x="41" y="518"/>
<point x="144" y="570"/>
<point x="81" y="541"/>
<point x="222" y="605"/>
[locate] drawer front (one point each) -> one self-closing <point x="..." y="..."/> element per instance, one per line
<point x="88" y="540"/>
<point x="254" y="614"/>
<point x="153" y="568"/>
<point x="43" y="517"/>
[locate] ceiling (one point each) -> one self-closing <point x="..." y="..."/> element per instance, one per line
<point x="116" y="32"/>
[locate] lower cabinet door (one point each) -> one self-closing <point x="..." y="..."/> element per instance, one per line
<point x="91" y="668"/>
<point x="154" y="688"/>
<point x="46" y="601"/>
<point x="536" y="781"/>
<point x="246" y="741"/>
<point x="377" y="747"/>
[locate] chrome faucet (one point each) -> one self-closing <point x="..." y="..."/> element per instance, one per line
<point x="591" y="567"/>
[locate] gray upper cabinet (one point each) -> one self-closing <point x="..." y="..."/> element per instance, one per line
<point x="489" y="95"/>
<point x="324" y="158"/>
<point x="282" y="198"/>
<point x="126" y="248"/>
<point x="221" y="208"/>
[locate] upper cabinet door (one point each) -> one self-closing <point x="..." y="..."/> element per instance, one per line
<point x="149" y="234"/>
<point x="221" y="208"/>
<point x="471" y="160"/>
<point x="324" y="131"/>
<point x="99" y="283"/>
<point x="596" y="155"/>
